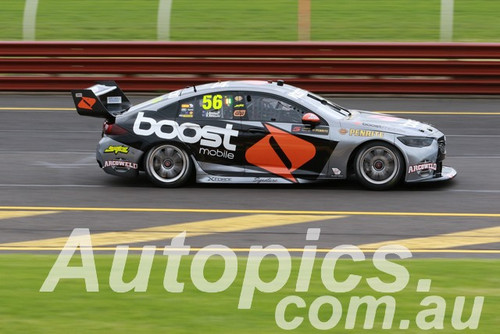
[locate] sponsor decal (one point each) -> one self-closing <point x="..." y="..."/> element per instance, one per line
<point x="86" y="103"/>
<point x="280" y="153"/>
<point x="187" y="111"/>
<point x="114" y="100"/>
<point x="265" y="180"/>
<point x="426" y="166"/>
<point x="219" y="179"/>
<point x="336" y="171"/>
<point x="378" y="126"/>
<point x="216" y="153"/>
<point x="211" y="114"/>
<point x="120" y="163"/>
<point x="320" y="130"/>
<point x="240" y="105"/>
<point x="190" y="133"/>
<point x="238" y="98"/>
<point x="117" y="149"/>
<point x="239" y="113"/>
<point x="365" y="133"/>
<point x="343" y="131"/>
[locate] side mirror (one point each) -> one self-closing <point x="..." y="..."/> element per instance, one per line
<point x="310" y="119"/>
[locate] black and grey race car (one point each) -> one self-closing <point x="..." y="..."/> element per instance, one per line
<point x="258" y="132"/>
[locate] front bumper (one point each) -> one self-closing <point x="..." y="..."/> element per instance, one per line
<point x="447" y="173"/>
<point x="425" y="164"/>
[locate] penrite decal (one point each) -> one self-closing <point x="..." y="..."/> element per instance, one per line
<point x="280" y="153"/>
<point x="365" y="133"/>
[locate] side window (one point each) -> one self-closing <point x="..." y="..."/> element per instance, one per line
<point x="213" y="106"/>
<point x="270" y="109"/>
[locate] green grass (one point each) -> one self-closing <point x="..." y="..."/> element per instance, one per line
<point x="69" y="309"/>
<point x="368" y="20"/>
<point x="11" y="19"/>
<point x="256" y="20"/>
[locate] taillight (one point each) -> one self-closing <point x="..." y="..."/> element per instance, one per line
<point x="112" y="129"/>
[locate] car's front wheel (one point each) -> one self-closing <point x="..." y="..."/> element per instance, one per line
<point x="168" y="165"/>
<point x="379" y="165"/>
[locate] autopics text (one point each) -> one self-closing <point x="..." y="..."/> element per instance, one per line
<point x="431" y="316"/>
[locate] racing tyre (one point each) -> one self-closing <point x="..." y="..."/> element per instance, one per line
<point x="379" y="165"/>
<point x="168" y="165"/>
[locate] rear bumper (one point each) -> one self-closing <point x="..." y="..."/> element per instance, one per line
<point x="116" y="158"/>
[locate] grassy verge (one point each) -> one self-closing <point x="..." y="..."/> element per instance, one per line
<point x="23" y="309"/>
<point x="256" y="20"/>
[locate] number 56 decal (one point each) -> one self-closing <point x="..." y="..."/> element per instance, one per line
<point x="211" y="102"/>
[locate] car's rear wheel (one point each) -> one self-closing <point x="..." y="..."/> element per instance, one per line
<point x="379" y="165"/>
<point x="168" y="165"/>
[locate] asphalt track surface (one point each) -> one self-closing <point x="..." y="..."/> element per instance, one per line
<point x="50" y="184"/>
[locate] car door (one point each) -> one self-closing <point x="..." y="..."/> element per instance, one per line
<point x="277" y="142"/>
<point x="211" y="131"/>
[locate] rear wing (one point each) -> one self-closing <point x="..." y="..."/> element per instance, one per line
<point x="103" y="100"/>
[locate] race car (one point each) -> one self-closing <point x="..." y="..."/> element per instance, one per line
<point x="258" y="132"/>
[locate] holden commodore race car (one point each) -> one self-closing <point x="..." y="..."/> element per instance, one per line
<point x="258" y="132"/>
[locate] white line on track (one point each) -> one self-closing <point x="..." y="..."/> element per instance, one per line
<point x="51" y="185"/>
<point x="35" y="109"/>
<point x="473" y="157"/>
<point x="62" y="166"/>
<point x="46" y="152"/>
<point x="53" y="131"/>
<point x="475" y="136"/>
<point x="13" y="185"/>
<point x="476" y="191"/>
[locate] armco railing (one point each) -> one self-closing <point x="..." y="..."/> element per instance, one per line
<point x="411" y="68"/>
